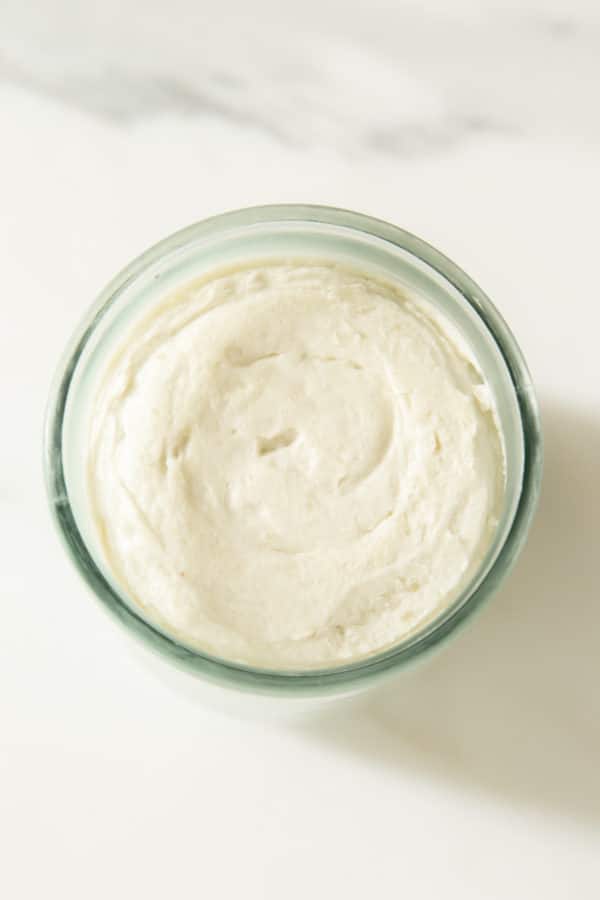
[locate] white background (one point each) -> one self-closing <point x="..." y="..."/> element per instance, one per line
<point x="475" y="125"/>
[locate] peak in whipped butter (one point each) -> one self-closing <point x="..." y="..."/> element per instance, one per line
<point x="293" y="464"/>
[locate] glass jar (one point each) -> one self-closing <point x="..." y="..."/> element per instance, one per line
<point x="296" y="231"/>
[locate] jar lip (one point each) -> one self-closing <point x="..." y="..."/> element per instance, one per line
<point x="307" y="681"/>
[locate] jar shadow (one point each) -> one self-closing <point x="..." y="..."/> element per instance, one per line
<point x="512" y="704"/>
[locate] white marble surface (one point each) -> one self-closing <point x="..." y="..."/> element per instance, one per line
<point x="477" y="126"/>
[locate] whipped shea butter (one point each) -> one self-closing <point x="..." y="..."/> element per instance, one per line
<point x="293" y="464"/>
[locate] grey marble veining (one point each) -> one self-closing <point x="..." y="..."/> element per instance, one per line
<point x="359" y="81"/>
<point x="121" y="97"/>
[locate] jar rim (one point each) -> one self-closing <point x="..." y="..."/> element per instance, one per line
<point x="338" y="678"/>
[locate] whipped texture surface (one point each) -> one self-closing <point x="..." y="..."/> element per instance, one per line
<point x="293" y="464"/>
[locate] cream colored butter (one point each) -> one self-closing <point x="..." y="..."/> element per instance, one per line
<point x="294" y="465"/>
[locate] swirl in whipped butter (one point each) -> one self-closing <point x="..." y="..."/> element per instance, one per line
<point x="293" y="464"/>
